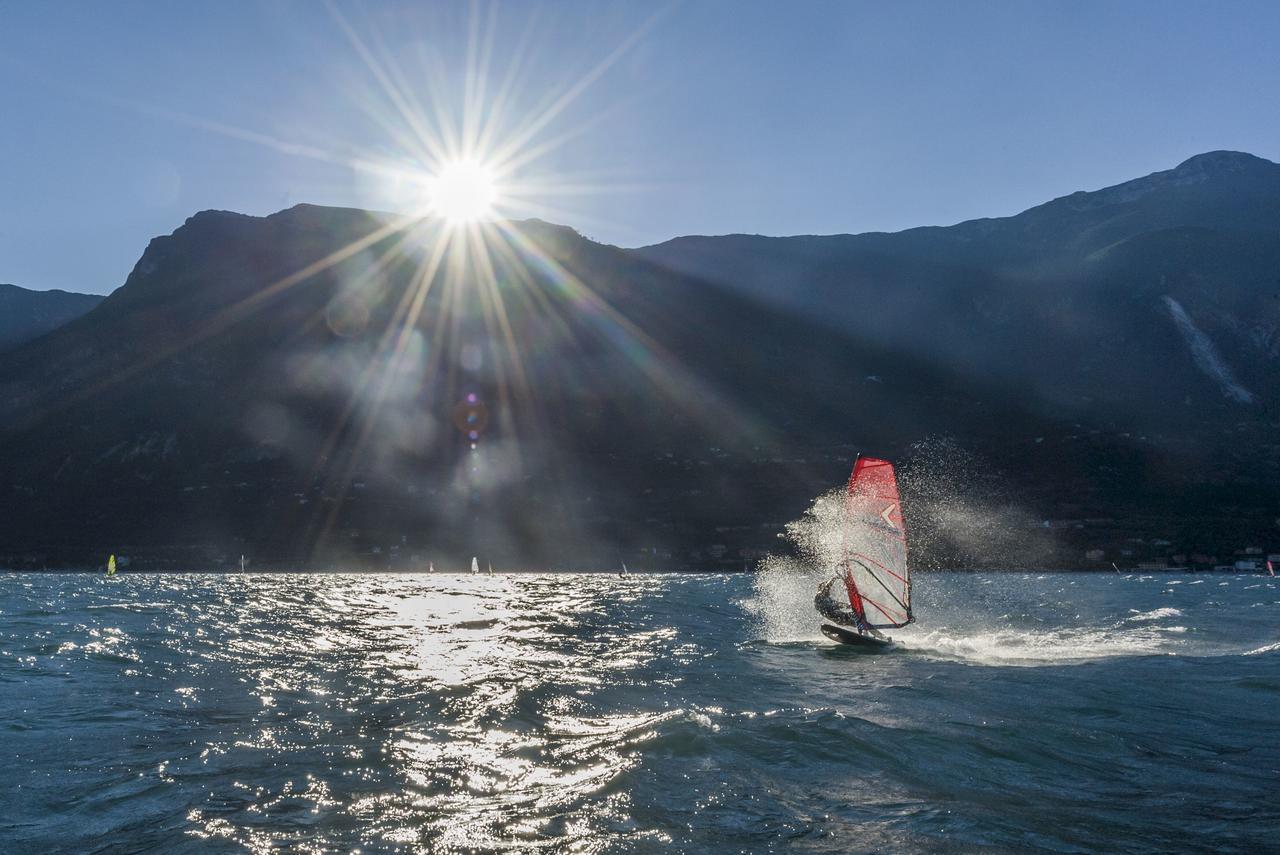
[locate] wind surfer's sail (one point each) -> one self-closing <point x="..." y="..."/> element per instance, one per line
<point x="111" y="566"/>
<point x="874" y="565"/>
<point x="475" y="565"/>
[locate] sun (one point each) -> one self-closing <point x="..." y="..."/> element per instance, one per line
<point x="463" y="191"/>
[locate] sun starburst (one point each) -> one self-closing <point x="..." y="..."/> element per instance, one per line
<point x="462" y="191"/>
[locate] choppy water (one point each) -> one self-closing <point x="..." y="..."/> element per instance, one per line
<point x="649" y="713"/>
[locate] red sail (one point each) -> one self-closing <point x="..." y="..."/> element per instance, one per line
<point x="875" y="546"/>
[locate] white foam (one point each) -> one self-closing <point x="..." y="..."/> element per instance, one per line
<point x="1154" y="614"/>
<point x="1266" y="648"/>
<point x="1032" y="648"/>
<point x="783" y="603"/>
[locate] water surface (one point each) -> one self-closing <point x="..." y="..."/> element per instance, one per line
<point x="1066" y="713"/>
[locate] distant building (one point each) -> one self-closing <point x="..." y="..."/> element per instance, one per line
<point x="1094" y="554"/>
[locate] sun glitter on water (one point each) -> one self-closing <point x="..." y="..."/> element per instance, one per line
<point x="463" y="191"/>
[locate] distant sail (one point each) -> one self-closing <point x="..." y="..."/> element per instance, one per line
<point x="431" y="567"/>
<point x="111" y="566"/>
<point x="491" y="569"/>
<point x="475" y="565"/>
<point x="875" y="546"/>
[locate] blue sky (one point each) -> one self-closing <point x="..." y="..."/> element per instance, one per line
<point x="119" y="120"/>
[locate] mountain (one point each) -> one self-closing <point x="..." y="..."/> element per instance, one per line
<point x="241" y="394"/>
<point x="1154" y="300"/>
<point x="24" y="314"/>
<point x="332" y="387"/>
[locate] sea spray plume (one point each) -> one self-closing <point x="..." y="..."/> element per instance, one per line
<point x="959" y="513"/>
<point x="785" y="584"/>
<point x="819" y="543"/>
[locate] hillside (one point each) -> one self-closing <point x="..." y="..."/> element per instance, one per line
<point x="332" y="387"/>
<point x="1100" y="304"/>
<point x="25" y="314"/>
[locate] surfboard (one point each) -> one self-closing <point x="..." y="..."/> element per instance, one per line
<point x="857" y="639"/>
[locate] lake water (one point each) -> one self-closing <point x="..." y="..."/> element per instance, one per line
<point x="593" y="713"/>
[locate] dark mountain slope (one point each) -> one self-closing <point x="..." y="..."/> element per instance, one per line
<point x="332" y="387"/>
<point x="24" y="314"/>
<point x="1067" y="299"/>
<point x="203" y="403"/>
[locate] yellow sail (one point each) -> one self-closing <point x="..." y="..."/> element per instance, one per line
<point x="111" y="566"/>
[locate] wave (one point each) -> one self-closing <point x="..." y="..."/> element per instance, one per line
<point x="1154" y="614"/>
<point x="1032" y="648"/>
<point x="1266" y="648"/>
<point x="987" y="629"/>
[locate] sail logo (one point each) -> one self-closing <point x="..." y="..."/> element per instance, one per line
<point x="884" y="515"/>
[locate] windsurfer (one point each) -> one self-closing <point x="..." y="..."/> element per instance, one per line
<point x="836" y="613"/>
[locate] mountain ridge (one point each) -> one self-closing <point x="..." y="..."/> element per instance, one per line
<point x="245" y="394"/>
<point x="26" y="314"/>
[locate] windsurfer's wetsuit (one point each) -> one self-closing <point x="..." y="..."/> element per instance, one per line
<point x="836" y="613"/>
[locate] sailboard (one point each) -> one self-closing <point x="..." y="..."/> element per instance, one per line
<point x="872" y="590"/>
<point x="111" y="566"/>
<point x="857" y="639"/>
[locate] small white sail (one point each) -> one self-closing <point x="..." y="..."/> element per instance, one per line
<point x="475" y="566"/>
